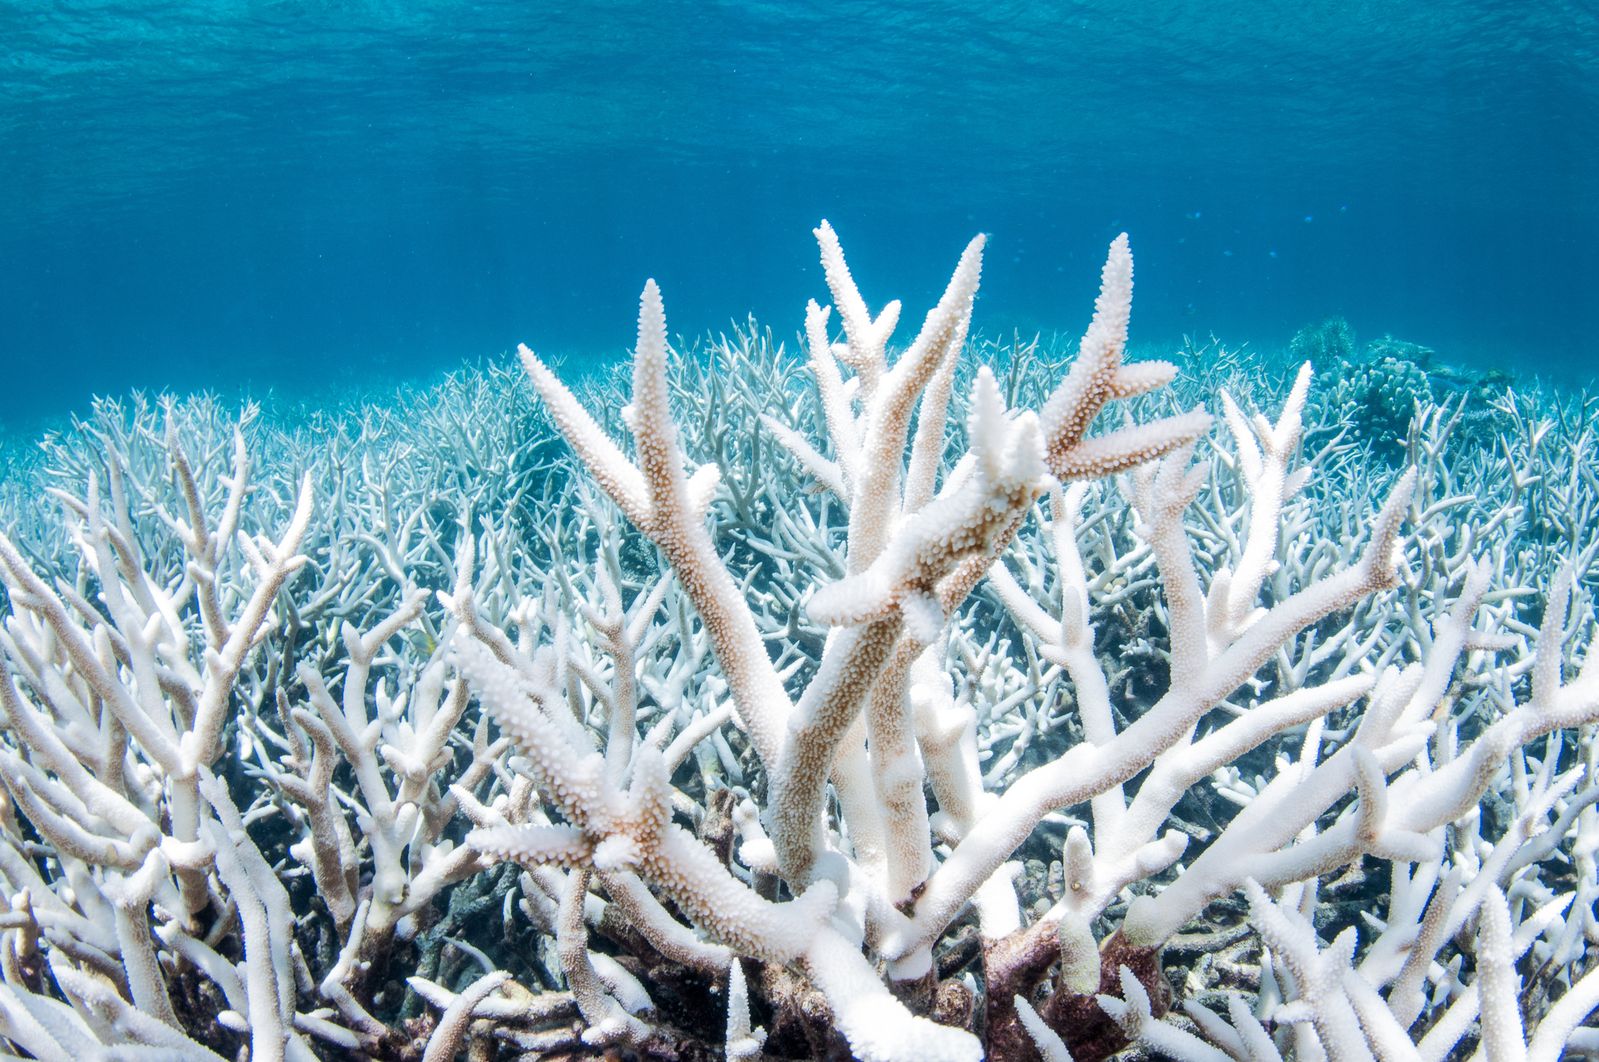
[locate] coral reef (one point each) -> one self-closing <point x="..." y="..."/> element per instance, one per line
<point x="1330" y="342"/>
<point x="856" y="703"/>
<point x="1383" y="393"/>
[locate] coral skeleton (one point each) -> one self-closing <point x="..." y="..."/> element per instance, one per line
<point x="864" y="703"/>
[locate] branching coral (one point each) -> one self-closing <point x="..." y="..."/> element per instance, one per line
<point x="917" y="716"/>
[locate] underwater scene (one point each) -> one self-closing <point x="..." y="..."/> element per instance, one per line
<point x="662" y="531"/>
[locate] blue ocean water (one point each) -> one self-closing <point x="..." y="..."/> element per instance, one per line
<point x="292" y="195"/>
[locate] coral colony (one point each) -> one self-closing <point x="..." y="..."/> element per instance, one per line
<point x="866" y="705"/>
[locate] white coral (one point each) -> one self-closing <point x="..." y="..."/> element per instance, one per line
<point x="916" y="604"/>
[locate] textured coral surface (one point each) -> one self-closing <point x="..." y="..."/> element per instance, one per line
<point x="912" y="698"/>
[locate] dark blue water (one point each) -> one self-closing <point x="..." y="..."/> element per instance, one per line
<point x="293" y="195"/>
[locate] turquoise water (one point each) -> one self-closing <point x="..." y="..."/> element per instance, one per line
<point x="294" y="195"/>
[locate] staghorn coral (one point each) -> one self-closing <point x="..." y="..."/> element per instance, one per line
<point x="798" y="697"/>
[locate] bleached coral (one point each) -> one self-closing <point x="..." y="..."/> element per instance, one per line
<point x="297" y="750"/>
